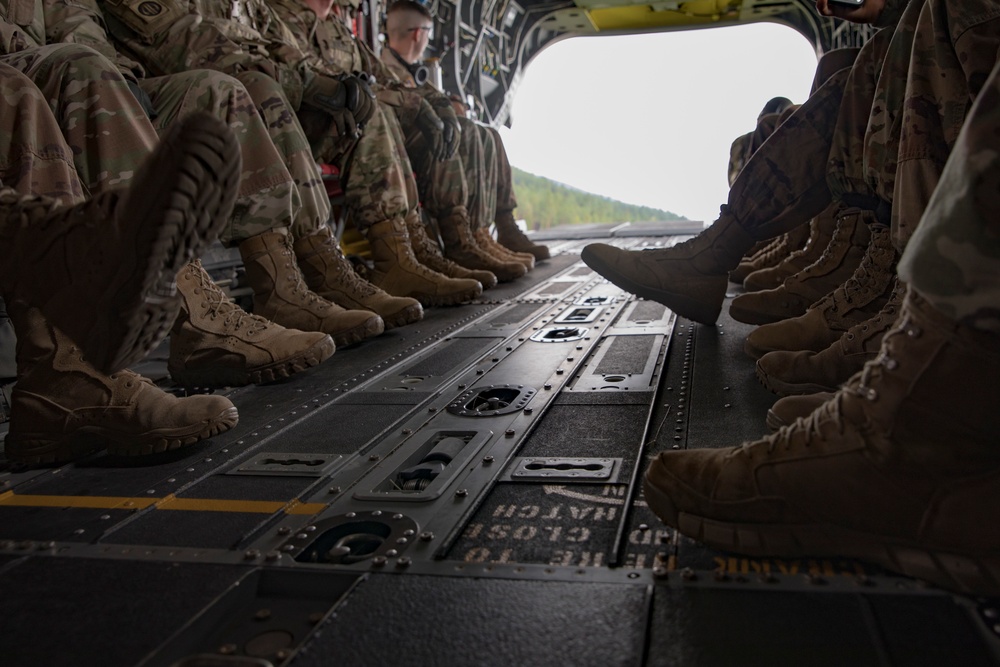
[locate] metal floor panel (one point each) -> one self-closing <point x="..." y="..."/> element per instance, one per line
<point x="468" y="486"/>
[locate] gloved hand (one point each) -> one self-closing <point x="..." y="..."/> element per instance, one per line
<point x="348" y="100"/>
<point x="452" y="130"/>
<point x="431" y="126"/>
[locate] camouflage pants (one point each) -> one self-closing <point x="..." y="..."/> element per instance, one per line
<point x="482" y="202"/>
<point x="442" y="184"/>
<point x="783" y="184"/>
<point x="953" y="258"/>
<point x="288" y="137"/>
<point x="270" y="195"/>
<point x="505" y="199"/>
<point x="101" y="121"/>
<point x="34" y="157"/>
<point x="954" y="49"/>
<point x="34" y="160"/>
<point x="890" y="150"/>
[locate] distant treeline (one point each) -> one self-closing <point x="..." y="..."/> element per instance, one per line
<point x="544" y="203"/>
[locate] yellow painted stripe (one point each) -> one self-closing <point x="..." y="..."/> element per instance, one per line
<point x="170" y="502"/>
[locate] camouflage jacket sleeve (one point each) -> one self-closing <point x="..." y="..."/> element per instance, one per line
<point x="81" y="22"/>
<point x="22" y="26"/>
<point x="404" y="100"/>
<point x="179" y="35"/>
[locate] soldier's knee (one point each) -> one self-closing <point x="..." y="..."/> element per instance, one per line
<point x="18" y="89"/>
<point x="77" y="61"/>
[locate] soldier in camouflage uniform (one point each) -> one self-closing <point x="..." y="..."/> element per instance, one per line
<point x="408" y="27"/>
<point x="230" y="38"/>
<point x="413" y="117"/>
<point x="901" y="466"/>
<point x="283" y="197"/>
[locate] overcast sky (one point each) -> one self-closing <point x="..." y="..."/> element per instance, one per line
<point x="648" y="119"/>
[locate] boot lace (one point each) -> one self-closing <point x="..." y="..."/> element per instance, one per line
<point x="805" y="430"/>
<point x="883" y="362"/>
<point x="864" y="281"/>
<point x="343" y="271"/>
<point x="220" y="306"/>
<point x="296" y="283"/>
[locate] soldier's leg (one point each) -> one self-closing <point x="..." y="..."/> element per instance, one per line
<point x="504" y="202"/>
<point x="214" y="342"/>
<point x="445" y="195"/>
<point x="481" y="175"/>
<point x="117" y="255"/>
<point x="381" y="194"/>
<point x="34" y="157"/>
<point x="97" y="279"/>
<point x="857" y="230"/>
<point x="441" y="201"/>
<point x="953" y="257"/>
<point x="266" y="209"/>
<point x="936" y="63"/>
<point x="327" y="272"/>
<point x="101" y="120"/>
<point x="920" y="419"/>
<point x="782" y="186"/>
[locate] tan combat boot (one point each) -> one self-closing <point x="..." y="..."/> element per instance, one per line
<point x="842" y="256"/>
<point x="104" y="271"/>
<point x="428" y="253"/>
<point x="901" y="467"/>
<point x="63" y="408"/>
<point x="280" y="294"/>
<point x="215" y="343"/>
<point x="690" y="278"/>
<point x="859" y="298"/>
<point x="510" y="236"/>
<point x="460" y="246"/>
<point x="397" y="270"/>
<point x="786" y="410"/>
<point x="807" y="372"/>
<point x="772" y="255"/>
<point x="329" y="274"/>
<point x="820" y="232"/>
<point x="490" y="245"/>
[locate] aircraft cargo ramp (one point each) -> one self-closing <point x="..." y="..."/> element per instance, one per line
<point x="462" y="491"/>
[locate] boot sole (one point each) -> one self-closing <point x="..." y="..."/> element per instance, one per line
<point x="971" y="575"/>
<point x="430" y="300"/>
<point x="408" y="315"/>
<point x="37" y="448"/>
<point x="183" y="216"/>
<point x="279" y="370"/>
<point x="678" y="303"/>
<point x="782" y="388"/>
<point x="370" y="328"/>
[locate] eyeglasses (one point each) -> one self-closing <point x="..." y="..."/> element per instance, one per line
<point x="427" y="28"/>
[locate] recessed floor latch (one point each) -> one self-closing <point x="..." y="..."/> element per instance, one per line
<point x="559" y="334"/>
<point x="284" y="464"/>
<point x="558" y="469"/>
<point x="496" y="399"/>
<point x="595" y="301"/>
<point x="579" y="315"/>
